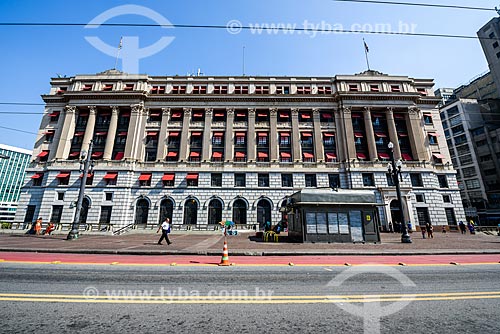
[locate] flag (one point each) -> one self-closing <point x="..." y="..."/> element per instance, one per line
<point x="366" y="46"/>
<point x="121" y="43"/>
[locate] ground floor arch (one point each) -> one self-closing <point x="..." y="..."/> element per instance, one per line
<point x="141" y="211"/>
<point x="240" y="211"/>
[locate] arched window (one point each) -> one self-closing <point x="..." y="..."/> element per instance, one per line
<point x="263" y="212"/>
<point x="191" y="212"/>
<point x="214" y="211"/>
<point x="166" y="209"/>
<point x="240" y="212"/>
<point x="141" y="212"/>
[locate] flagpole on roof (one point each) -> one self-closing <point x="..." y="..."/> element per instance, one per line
<point x="366" y="54"/>
<point x="118" y="52"/>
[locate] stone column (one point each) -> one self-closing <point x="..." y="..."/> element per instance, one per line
<point x="89" y="130"/>
<point x="185" y="134"/>
<point x="416" y="134"/>
<point x="296" y="149"/>
<point x="340" y="140"/>
<point x="161" y="152"/>
<point x="64" y="134"/>
<point x="228" y="141"/>
<point x="133" y="135"/>
<point x="393" y="133"/>
<point x="318" y="140"/>
<point x="370" y="136"/>
<point x="110" y="140"/>
<point x="350" y="145"/>
<point x="273" y="135"/>
<point x="207" y="133"/>
<point x="251" y="145"/>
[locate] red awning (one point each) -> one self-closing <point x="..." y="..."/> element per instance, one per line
<point x="119" y="156"/>
<point x="168" y="177"/>
<point x="428" y="114"/>
<point x="358" y="134"/>
<point x="356" y="116"/>
<point x="399" y="116"/>
<point x="380" y="134"/>
<point x="176" y="115"/>
<point x="152" y="133"/>
<point x="437" y="156"/>
<point x="262" y="155"/>
<point x="306" y="134"/>
<point x="54" y="114"/>
<point x="154" y="114"/>
<point x="173" y="134"/>
<point x="284" y="115"/>
<point x="123" y="133"/>
<point x="241" y="134"/>
<point x="198" y="114"/>
<point x="328" y="134"/>
<point x="37" y="176"/>
<point x="307" y="116"/>
<point x="325" y="115"/>
<point x="406" y="157"/>
<point x="145" y="177"/>
<point x="89" y="175"/>
<point x="239" y="154"/>
<point x="194" y="154"/>
<point x="97" y="154"/>
<point x="74" y="154"/>
<point x="402" y="134"/>
<point x="308" y="155"/>
<point x="217" y="155"/>
<point x="101" y="133"/>
<point x="262" y="134"/>
<point x="241" y="114"/>
<point x="219" y="114"/>
<point x="284" y="134"/>
<point x="192" y="176"/>
<point x="361" y="156"/>
<point x="196" y="134"/>
<point x="111" y="175"/>
<point x="125" y="114"/>
<point x="331" y="156"/>
<point x="285" y="155"/>
<point x="377" y="115"/>
<point x="63" y="175"/>
<point x="218" y="134"/>
<point x="383" y="156"/>
<point x="43" y="154"/>
<point x="79" y="134"/>
<point x="262" y="114"/>
<point x="172" y="154"/>
<point x="433" y="134"/>
<point x="105" y="113"/>
<point x="49" y="132"/>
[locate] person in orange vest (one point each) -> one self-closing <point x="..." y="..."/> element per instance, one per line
<point x="51" y="227"/>
<point x="38" y="226"/>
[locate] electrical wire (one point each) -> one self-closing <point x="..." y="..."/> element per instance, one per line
<point x="248" y="27"/>
<point x="379" y="2"/>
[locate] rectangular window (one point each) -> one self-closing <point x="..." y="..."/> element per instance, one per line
<point x="287" y="180"/>
<point x="334" y="180"/>
<point x="432" y="139"/>
<point x="443" y="181"/>
<point x="179" y="90"/>
<point x="30" y="214"/>
<point x="192" y="179"/>
<point x="108" y="197"/>
<point x="324" y="90"/>
<point x="128" y="87"/>
<point x="87" y="87"/>
<point x="428" y="119"/>
<point x="416" y="180"/>
<point x="216" y="179"/>
<point x="240" y="140"/>
<point x="304" y="90"/>
<point x="199" y="90"/>
<point x="390" y="180"/>
<point x="239" y="180"/>
<point x="56" y="214"/>
<point x="469" y="172"/>
<point x="446" y="199"/>
<point x="368" y="180"/>
<point x="374" y="88"/>
<point x="263" y="180"/>
<point x="472" y="184"/>
<point x="220" y="89"/>
<point x="395" y="88"/>
<point x="105" y="217"/>
<point x="450" y="216"/>
<point x="283" y="90"/>
<point x="60" y="196"/>
<point x="261" y="89"/>
<point x="422" y="91"/>
<point x="240" y="89"/>
<point x="107" y="87"/>
<point x="310" y="180"/>
<point x="420" y="198"/>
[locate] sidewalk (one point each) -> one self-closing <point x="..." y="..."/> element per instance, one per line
<point x="246" y="244"/>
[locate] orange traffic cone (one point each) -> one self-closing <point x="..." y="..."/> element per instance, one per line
<point x="225" y="256"/>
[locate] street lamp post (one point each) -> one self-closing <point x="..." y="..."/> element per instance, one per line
<point x="395" y="171"/>
<point x="85" y="164"/>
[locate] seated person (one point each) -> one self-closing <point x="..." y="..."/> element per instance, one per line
<point x="277" y="228"/>
<point x="267" y="226"/>
<point x="51" y="227"/>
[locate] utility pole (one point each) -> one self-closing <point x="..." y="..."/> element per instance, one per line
<point x="85" y="162"/>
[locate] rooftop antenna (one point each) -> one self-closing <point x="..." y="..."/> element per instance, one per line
<point x="118" y="52"/>
<point x="366" y="54"/>
<point x="243" y="60"/>
<point x="497" y="10"/>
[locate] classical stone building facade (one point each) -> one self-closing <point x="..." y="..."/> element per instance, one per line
<point x="203" y="149"/>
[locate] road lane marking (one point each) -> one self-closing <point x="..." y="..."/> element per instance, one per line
<point x="284" y="299"/>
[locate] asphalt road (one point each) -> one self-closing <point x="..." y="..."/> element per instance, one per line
<point x="53" y="298"/>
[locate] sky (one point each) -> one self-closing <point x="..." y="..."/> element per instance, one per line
<point x="31" y="55"/>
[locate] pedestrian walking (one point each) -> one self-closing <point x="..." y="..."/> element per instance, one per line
<point x="391" y="228"/>
<point x="165" y="230"/>
<point x="463" y="229"/>
<point x="422" y="229"/>
<point x="38" y="226"/>
<point x="429" y="229"/>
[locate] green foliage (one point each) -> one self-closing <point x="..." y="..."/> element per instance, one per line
<point x="5" y="225"/>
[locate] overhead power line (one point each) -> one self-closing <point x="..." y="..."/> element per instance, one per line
<point x="379" y="2"/>
<point x="21" y="104"/>
<point x="242" y="27"/>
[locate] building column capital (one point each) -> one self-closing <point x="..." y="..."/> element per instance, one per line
<point x="413" y="110"/>
<point x="137" y="108"/>
<point x="273" y="111"/>
<point x="295" y="111"/>
<point x="347" y="110"/>
<point x="187" y="111"/>
<point x="115" y="110"/>
<point x="209" y="111"/>
<point x="251" y="112"/>
<point x="367" y="110"/>
<point x="70" y="109"/>
<point x="165" y="111"/>
<point x="230" y="111"/>
<point x="92" y="109"/>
